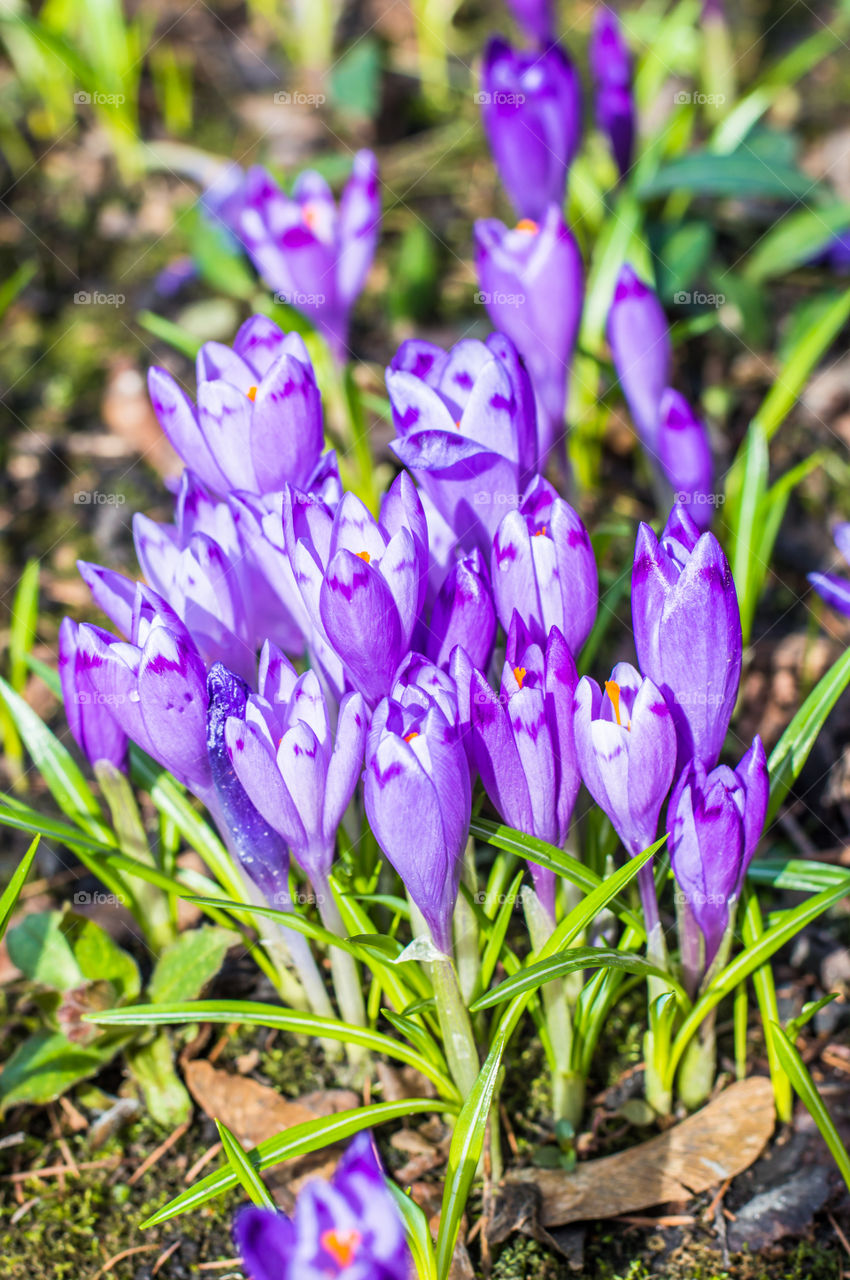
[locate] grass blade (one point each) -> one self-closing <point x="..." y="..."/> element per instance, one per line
<point x="800" y="1077"/>
<point x="13" y="888"/>
<point x="237" y="1158"/>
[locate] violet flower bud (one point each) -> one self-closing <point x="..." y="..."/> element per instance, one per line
<point x="536" y="19"/>
<point x="543" y="568"/>
<point x="684" y="453"/>
<point x="522" y="742"/>
<point x="687" y="629"/>
<point x="298" y="775"/>
<point x="626" y="748"/>
<point x="531" y="279"/>
<point x="345" y="1229"/>
<point x="834" y="590"/>
<point x="95" y="730"/>
<point x="715" y="821"/>
<point x="419" y="803"/>
<point x="611" y="67"/>
<point x="531" y="109"/>
<point x="640" y="346"/>
<point x="258" y="420"/>
<point x="463" y="613"/>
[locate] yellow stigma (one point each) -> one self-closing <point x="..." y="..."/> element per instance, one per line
<point x="414" y="733"/>
<point x="252" y="393"/>
<point x="519" y="674"/>
<point x="341" y="1244"/>
<point x="540" y="532"/>
<point x="364" y="555"/>
<point x="528" y="225"/>
<point x="613" y="691"/>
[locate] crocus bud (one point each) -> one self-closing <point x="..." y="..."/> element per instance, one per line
<point x="522" y="742"/>
<point x="684" y="453"/>
<point x="687" y="629"/>
<point x="626" y="748"/>
<point x="344" y="1229"/>
<point x="463" y="613"/>
<point x="531" y="108"/>
<point x="415" y="765"/>
<point x="94" y="729"/>
<point x="543" y="568"/>
<point x="314" y="254"/>
<point x="531" y="280"/>
<point x="258" y="420"/>
<point x="466" y="429"/>
<point x="611" y="66"/>
<point x="715" y="821"/>
<point x="261" y="850"/>
<point x="536" y="19"/>
<point x="834" y="590"/>
<point x="640" y="347"/>
<point x="299" y="777"/>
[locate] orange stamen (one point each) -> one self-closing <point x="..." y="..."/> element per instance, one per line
<point x="540" y="532"/>
<point x="342" y="1245"/>
<point x="519" y="675"/>
<point x="364" y="555"/>
<point x="252" y="393"/>
<point x="613" y="691"/>
<point x="309" y="213"/>
<point x="529" y="225"/>
<point x="414" y="733"/>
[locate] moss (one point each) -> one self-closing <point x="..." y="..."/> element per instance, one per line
<point x="524" y="1259"/>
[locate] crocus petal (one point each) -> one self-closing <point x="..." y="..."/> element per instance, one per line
<point x="362" y="623"/>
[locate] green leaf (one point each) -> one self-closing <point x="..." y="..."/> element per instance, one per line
<point x="189" y="963"/>
<point x="752" y="931"/>
<point x="12" y="891"/>
<point x="55" y="764"/>
<point x="798" y="875"/>
<point x="742" y="174"/>
<point x="792" y="750"/>
<point x="188" y="344"/>
<point x="801" y="361"/>
<point x="355" y="80"/>
<point x="23" y="625"/>
<point x="152" y="1067"/>
<point x="42" y="950"/>
<point x="238" y="1160"/>
<point x="745" y="509"/>
<point x="801" y="1079"/>
<point x="299" y="1140"/>
<point x="532" y="976"/>
<point x="796" y="239"/>
<point x="254" y="1014"/>
<point x="418" y="1232"/>
<point x="100" y="958"/>
<point x="46" y="1066"/>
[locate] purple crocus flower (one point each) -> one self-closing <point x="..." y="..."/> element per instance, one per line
<point x="258" y="420"/>
<point x="536" y="19"/>
<point x="362" y="580"/>
<point x="543" y="568"/>
<point x="284" y="755"/>
<point x="531" y="280"/>
<point x="714" y="821"/>
<point x="687" y="629"/>
<point x="611" y="67"/>
<point x="417" y="772"/>
<point x="154" y="686"/>
<point x="522" y="741"/>
<point x="314" y="253"/>
<point x="684" y="453"/>
<point x="640" y="346"/>
<point x="466" y="429"/>
<point x="834" y="590"/>
<point x="95" y="730"/>
<point x="344" y="1229"/>
<point x="463" y="613"/>
<point x="531" y="108"/>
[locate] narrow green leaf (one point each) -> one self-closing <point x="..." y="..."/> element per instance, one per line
<point x="532" y="976"/>
<point x="23" y="625"/>
<point x="798" y="875"/>
<point x="796" y="239"/>
<point x="237" y="1158"/>
<point x="752" y="931"/>
<point x="188" y="344"/>
<point x="801" y="1079"/>
<point x="745" y="511"/>
<point x="299" y="1140"/>
<point x="741" y="174"/>
<point x="417" y="1231"/>
<point x="13" y="889"/>
<point x="811" y="345"/>
<point x="792" y="750"/>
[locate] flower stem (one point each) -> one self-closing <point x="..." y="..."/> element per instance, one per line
<point x="456" y="1029"/>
